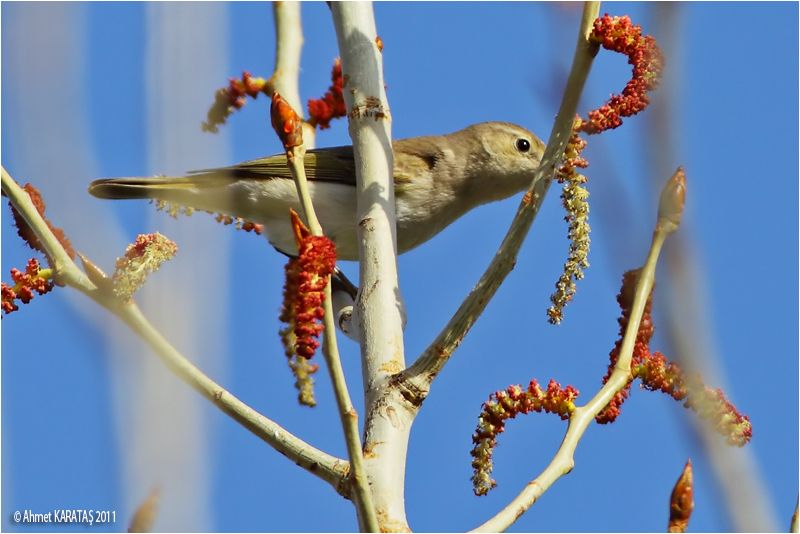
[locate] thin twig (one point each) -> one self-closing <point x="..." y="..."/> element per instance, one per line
<point x="361" y="494"/>
<point x="285" y="80"/>
<point x="285" y="77"/>
<point x="288" y="47"/>
<point x="421" y="374"/>
<point x="329" y="468"/>
<point x="563" y="461"/>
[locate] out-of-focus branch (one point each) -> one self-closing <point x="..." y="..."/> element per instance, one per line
<point x="379" y="304"/>
<point x="421" y="374"/>
<point x="562" y="463"/>
<point x="145" y="514"/>
<point x="329" y="468"/>
<point x="686" y="315"/>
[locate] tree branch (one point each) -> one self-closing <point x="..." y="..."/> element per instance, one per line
<point x="329" y="468"/>
<point x="379" y="304"/>
<point x="419" y="376"/>
<point x="563" y="461"/>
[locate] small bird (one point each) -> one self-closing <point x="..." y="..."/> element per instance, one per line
<point x="437" y="179"/>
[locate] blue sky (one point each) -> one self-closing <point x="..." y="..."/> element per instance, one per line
<point x="91" y="420"/>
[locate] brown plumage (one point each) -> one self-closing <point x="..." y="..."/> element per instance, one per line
<point x="437" y="179"/>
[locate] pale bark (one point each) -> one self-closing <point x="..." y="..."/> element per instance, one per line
<point x="378" y="306"/>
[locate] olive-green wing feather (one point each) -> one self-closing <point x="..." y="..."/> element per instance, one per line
<point x="335" y="164"/>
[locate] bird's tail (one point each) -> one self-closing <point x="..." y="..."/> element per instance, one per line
<point x="165" y="188"/>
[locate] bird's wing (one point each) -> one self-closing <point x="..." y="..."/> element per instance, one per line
<point x="335" y="164"/>
<point x="414" y="157"/>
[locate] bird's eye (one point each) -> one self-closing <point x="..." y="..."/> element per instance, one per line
<point x="523" y="145"/>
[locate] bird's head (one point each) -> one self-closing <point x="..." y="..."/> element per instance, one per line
<point x="500" y="160"/>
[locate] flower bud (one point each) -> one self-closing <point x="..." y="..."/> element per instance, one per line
<point x="681" y="502"/>
<point x="673" y="198"/>
<point x="287" y="124"/>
